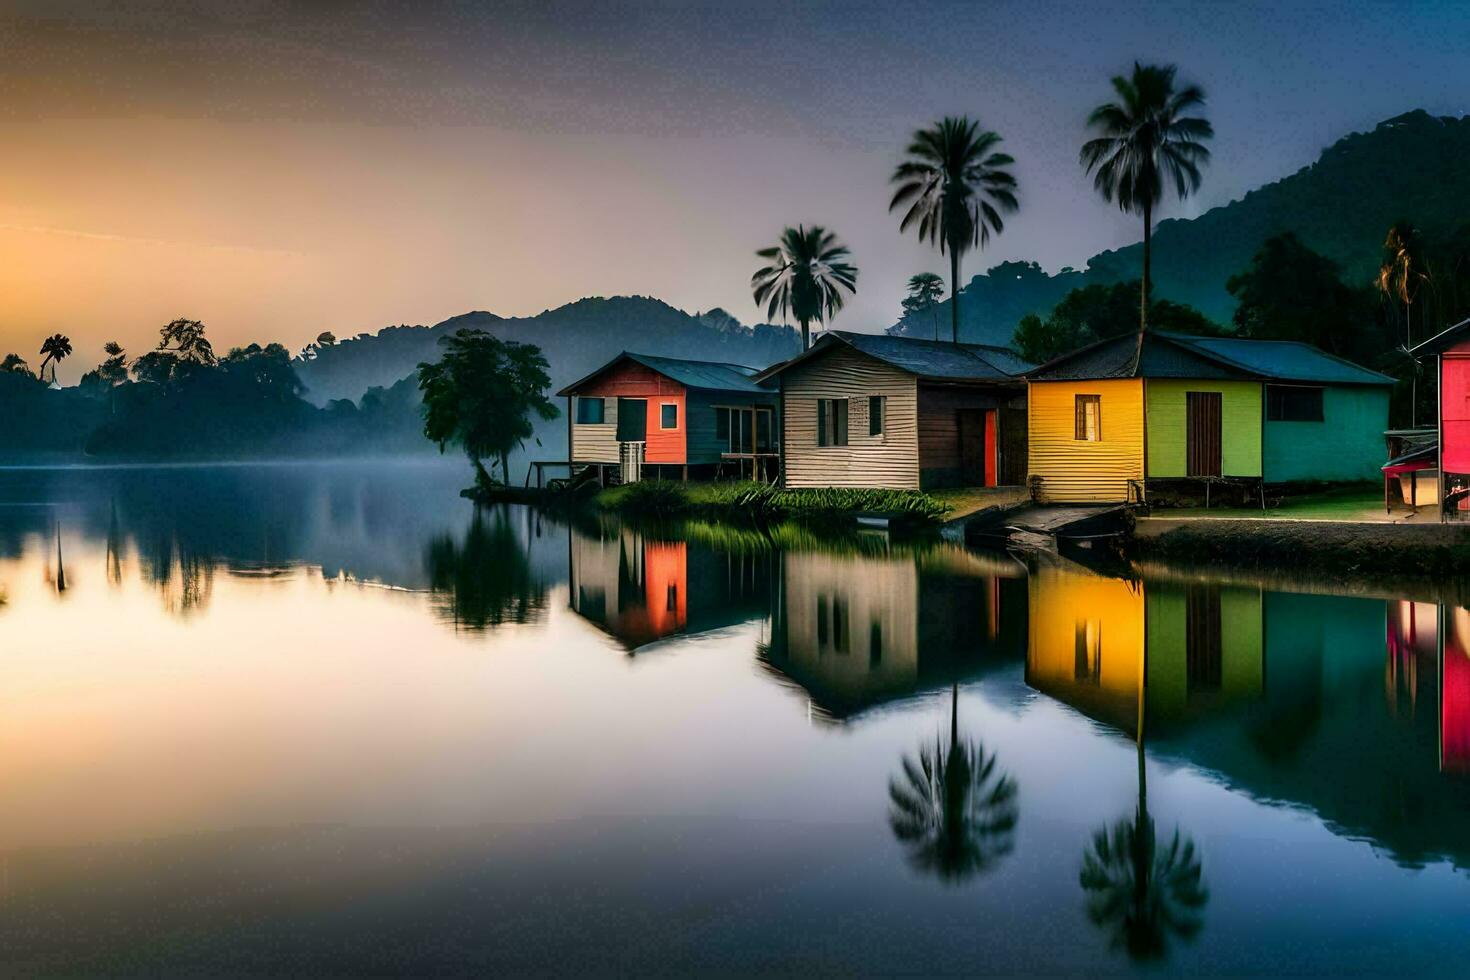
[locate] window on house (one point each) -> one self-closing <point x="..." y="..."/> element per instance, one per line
<point x="591" y="411"/>
<point x="668" y="416"/>
<point x="875" y="414"/>
<point x="1089" y="418"/>
<point x="831" y="421"/>
<point x="1088" y="648"/>
<point x="722" y="425"/>
<point x="1293" y="403"/>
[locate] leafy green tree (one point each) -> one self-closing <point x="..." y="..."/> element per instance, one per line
<point x="954" y="185"/>
<point x="480" y="395"/>
<point x="1289" y="292"/>
<point x="954" y="810"/>
<point x="1099" y="312"/>
<point x="1145" y="143"/>
<point x="182" y="350"/>
<point x="55" y="347"/>
<point x="807" y="272"/>
<point x="925" y="291"/>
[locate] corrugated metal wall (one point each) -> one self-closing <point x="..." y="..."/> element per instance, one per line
<point x="1074" y="471"/>
<point x="887" y="460"/>
<point x="1240" y="426"/>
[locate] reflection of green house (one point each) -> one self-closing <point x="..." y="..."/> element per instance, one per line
<point x="854" y="632"/>
<point x="1205" y="649"/>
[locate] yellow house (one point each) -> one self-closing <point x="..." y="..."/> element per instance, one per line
<point x="1154" y="651"/>
<point x="1106" y="418"/>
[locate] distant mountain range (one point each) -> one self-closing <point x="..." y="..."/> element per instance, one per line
<point x="576" y="338"/>
<point x="1410" y="167"/>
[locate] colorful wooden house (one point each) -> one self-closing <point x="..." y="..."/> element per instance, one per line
<point x="1451" y="351"/>
<point x="661" y="416"/>
<point x="1108" y="418"/>
<point x="869" y="410"/>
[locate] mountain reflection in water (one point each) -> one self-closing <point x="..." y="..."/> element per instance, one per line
<point x="849" y="748"/>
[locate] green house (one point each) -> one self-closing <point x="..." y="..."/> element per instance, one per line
<point x="1111" y="417"/>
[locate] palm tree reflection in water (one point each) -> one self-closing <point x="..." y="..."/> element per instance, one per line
<point x="952" y="809"/>
<point x="1137" y="891"/>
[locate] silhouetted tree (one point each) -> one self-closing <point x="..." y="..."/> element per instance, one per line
<point x="807" y="272"/>
<point x="955" y="186"/>
<point x="15" y="364"/>
<point x="1098" y="312"/>
<point x="1403" y="271"/>
<point x="481" y="394"/>
<point x="1146" y="143"/>
<point x="925" y="291"/>
<point x="954" y="812"/>
<point x="1142" y="893"/>
<point x="55" y="347"/>
<point x="1289" y="292"/>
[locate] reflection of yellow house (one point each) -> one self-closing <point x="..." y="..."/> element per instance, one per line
<point x="1092" y="639"/>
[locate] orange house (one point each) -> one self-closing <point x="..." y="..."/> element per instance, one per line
<point x="662" y="416"/>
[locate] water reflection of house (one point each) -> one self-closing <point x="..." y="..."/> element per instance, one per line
<point x="640" y="588"/>
<point x="855" y="631"/>
<point x="1092" y="638"/>
<point x="1454" y="729"/>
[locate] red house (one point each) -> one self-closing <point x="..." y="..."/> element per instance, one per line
<point x="1451" y="350"/>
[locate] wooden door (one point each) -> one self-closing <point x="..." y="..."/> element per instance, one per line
<point x="1203" y="434"/>
<point x="1012" y="447"/>
<point x="972" y="447"/>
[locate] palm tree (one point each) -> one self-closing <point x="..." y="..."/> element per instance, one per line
<point x="925" y="291"/>
<point x="807" y="272"/>
<point x="1403" y="271"/>
<point x="955" y="185"/>
<point x="953" y="811"/>
<point x="55" y="347"/>
<point x="1139" y="892"/>
<point x="1146" y="142"/>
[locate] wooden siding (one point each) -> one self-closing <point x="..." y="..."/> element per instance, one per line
<point x="941" y="457"/>
<point x="1346" y="445"/>
<point x="1072" y="470"/>
<point x="1168" y="440"/>
<point x="599" y="443"/>
<point x="887" y="460"/>
<point x="703" y="445"/>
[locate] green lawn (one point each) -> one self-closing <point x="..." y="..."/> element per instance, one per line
<point x="1360" y="502"/>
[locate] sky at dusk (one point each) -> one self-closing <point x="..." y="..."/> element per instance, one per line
<point x="279" y="169"/>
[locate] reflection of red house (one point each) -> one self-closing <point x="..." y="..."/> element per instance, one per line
<point x="1413" y="644"/>
<point x="1454" y="723"/>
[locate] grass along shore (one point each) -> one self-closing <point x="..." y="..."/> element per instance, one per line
<point x="763" y="502"/>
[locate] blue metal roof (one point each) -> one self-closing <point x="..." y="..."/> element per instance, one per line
<point x="1286" y="360"/>
<point x="705" y="375"/>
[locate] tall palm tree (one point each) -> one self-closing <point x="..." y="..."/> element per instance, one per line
<point x="55" y="347"/>
<point x="1145" y="143"/>
<point x="806" y="274"/>
<point x="953" y="810"/>
<point x="1140" y="892"/>
<point x="1403" y="270"/>
<point x="955" y="185"/>
<point x="925" y="291"/>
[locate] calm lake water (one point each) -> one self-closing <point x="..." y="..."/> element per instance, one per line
<point x="326" y="718"/>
